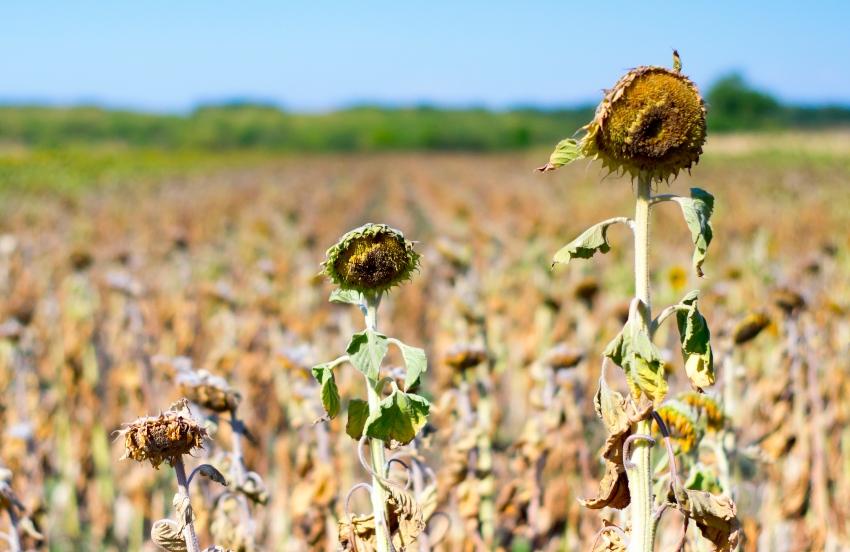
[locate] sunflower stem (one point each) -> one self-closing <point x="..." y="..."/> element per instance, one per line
<point x="378" y="491"/>
<point x="189" y="530"/>
<point x="640" y="476"/>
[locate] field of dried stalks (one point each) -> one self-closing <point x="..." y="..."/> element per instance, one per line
<point x="102" y="292"/>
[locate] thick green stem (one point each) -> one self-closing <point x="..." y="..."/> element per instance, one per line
<point x="376" y="446"/>
<point x="640" y="476"/>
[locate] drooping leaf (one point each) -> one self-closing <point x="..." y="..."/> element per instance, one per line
<point x="696" y="342"/>
<point x="697" y="210"/>
<point x="358" y="411"/>
<point x="211" y="472"/>
<point x="167" y="534"/>
<point x="367" y="350"/>
<point x="588" y="243"/>
<point x="613" y="489"/>
<point x="345" y="296"/>
<point x="715" y="515"/>
<point x="566" y="151"/>
<point x="415" y="362"/>
<point x="400" y="416"/>
<point x="635" y="353"/>
<point x="611" y="408"/>
<point x="324" y="374"/>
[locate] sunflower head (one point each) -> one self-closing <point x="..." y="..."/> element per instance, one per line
<point x="162" y="438"/>
<point x="209" y="391"/>
<point x="371" y="259"/>
<point x="463" y="356"/>
<point x="651" y="124"/>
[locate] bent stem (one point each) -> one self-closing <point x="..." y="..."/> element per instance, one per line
<point x="640" y="476"/>
<point x="189" y="530"/>
<point x="378" y="491"/>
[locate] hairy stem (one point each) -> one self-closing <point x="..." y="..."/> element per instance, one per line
<point x="376" y="446"/>
<point x="189" y="530"/>
<point x="640" y="476"/>
<point x="12" y="537"/>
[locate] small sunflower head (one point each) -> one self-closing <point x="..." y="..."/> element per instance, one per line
<point x="707" y="407"/>
<point x="162" y="438"/>
<point x="651" y="124"/>
<point x="209" y="391"/>
<point x="463" y="356"/>
<point x="371" y="259"/>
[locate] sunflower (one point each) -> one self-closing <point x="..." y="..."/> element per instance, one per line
<point x="651" y="125"/>
<point x="371" y="259"/>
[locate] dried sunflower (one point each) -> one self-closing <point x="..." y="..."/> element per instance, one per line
<point x="209" y="391"/>
<point x="371" y="259"/>
<point x="163" y="438"/>
<point x="463" y="356"/>
<point x="651" y="124"/>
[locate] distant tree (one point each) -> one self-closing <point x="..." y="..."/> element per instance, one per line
<point x="735" y="105"/>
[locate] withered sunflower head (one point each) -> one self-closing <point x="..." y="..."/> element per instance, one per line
<point x="651" y="125"/>
<point x="371" y="259"/>
<point x="209" y="391"/>
<point x="162" y="438"/>
<point x="463" y="356"/>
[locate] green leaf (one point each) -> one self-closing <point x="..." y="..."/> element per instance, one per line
<point x="399" y="418"/>
<point x="566" y="151"/>
<point x="358" y="411"/>
<point x="324" y="374"/>
<point x="415" y="362"/>
<point x="635" y="353"/>
<point x="588" y="243"/>
<point x="697" y="210"/>
<point x="345" y="296"/>
<point x="367" y="350"/>
<point x="696" y="342"/>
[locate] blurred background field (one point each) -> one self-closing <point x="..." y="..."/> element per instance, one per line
<point x="154" y="216"/>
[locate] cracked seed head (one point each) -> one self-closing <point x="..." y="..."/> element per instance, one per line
<point x="371" y="259"/>
<point x="652" y="123"/>
<point x="162" y="438"/>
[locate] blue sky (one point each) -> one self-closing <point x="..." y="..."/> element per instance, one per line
<point x="316" y="55"/>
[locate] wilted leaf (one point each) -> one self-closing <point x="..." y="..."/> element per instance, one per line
<point x="588" y="243"/>
<point x="715" y="515"/>
<point x="167" y="534"/>
<point x="400" y="417"/>
<point x="405" y="518"/>
<point x="358" y="412"/>
<point x="566" y="151"/>
<point x="415" y="362"/>
<point x="613" y="489"/>
<point x="324" y="374"/>
<point x="635" y="353"/>
<point x="367" y="350"/>
<point x="610" y="540"/>
<point x="697" y="210"/>
<point x="696" y="343"/>
<point x="345" y="296"/>
<point x="210" y="472"/>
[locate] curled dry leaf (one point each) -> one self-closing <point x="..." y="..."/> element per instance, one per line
<point x="168" y="535"/>
<point x="611" y="407"/>
<point x="715" y="515"/>
<point x="610" y="539"/>
<point x="406" y="523"/>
